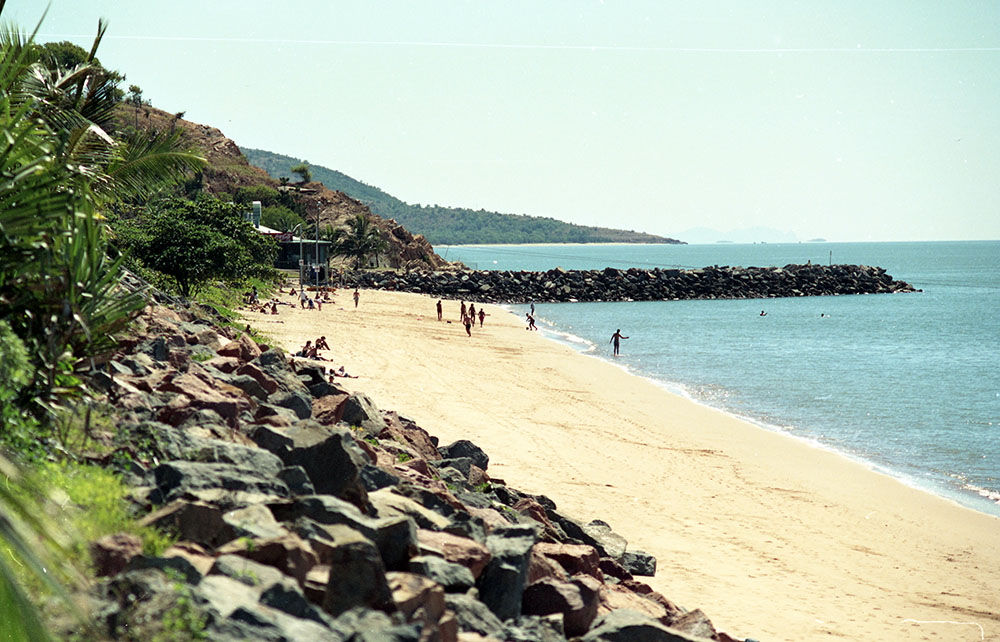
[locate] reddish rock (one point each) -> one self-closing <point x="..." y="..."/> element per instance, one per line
<point x="288" y="553"/>
<point x="477" y="476"/>
<point x="244" y="349"/>
<point x="112" y="553"/>
<point x="454" y="548"/>
<point x="694" y="623"/>
<point x="574" y="558"/>
<point x="192" y="521"/>
<point x="229" y="401"/>
<point x="421" y="600"/>
<point x="541" y="567"/>
<point x="225" y="364"/>
<point x="197" y="556"/>
<point x="267" y="383"/>
<point x="613" y="597"/>
<point x="647" y="591"/>
<point x="329" y="409"/>
<point x="491" y="517"/>
<point x="576" y="602"/>
<point x="404" y="431"/>
<point x="420" y="465"/>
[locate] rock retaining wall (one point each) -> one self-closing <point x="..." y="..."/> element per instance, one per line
<point x="634" y="284"/>
<point x="304" y="512"/>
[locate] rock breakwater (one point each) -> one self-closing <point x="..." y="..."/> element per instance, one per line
<point x="635" y="284"/>
<point x="304" y="512"/>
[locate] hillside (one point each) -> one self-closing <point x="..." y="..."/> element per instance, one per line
<point x="453" y="225"/>
<point x="228" y="171"/>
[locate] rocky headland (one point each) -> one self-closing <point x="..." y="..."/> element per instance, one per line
<point x="304" y="512"/>
<point x="635" y="284"/>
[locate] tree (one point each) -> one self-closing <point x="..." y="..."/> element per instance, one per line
<point x="135" y="99"/>
<point x="194" y="242"/>
<point x="279" y="217"/>
<point x="302" y="169"/>
<point x="360" y="240"/>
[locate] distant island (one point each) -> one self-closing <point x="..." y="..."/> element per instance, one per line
<point x="452" y="225"/>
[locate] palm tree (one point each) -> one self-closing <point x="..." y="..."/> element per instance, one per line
<point x="360" y="240"/>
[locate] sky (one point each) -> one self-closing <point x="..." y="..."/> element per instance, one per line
<point x="847" y="120"/>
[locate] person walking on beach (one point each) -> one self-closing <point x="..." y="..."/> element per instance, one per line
<point x="531" y="322"/>
<point x="472" y="313"/>
<point x="462" y="311"/>
<point x="615" y="338"/>
<point x="482" y="315"/>
<point x="357" y="295"/>
<point x="439" y="309"/>
<point x="467" y="320"/>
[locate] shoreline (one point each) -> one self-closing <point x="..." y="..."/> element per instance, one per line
<point x="977" y="496"/>
<point x="770" y="539"/>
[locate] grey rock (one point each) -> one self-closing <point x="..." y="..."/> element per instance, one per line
<point x="373" y="478"/>
<point x="177" y="564"/>
<point x="259" y="620"/>
<point x="612" y="544"/>
<point x="298" y="402"/>
<point x="455" y="578"/>
<point x="247" y="571"/>
<point x="395" y="537"/>
<point x="638" y="563"/>
<point x="357" y="578"/>
<point x="253" y="521"/>
<point x="360" y="410"/>
<point x="461" y="464"/>
<point x="474" y="616"/>
<point x="535" y="628"/>
<point x="501" y="584"/>
<point x="173" y="444"/>
<point x="297" y="480"/>
<point x="465" y="448"/>
<point x="176" y="478"/>
<point x="329" y="455"/>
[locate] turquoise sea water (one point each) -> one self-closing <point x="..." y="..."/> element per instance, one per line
<point x="908" y="383"/>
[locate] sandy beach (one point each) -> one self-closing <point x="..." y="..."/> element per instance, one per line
<point x="773" y="538"/>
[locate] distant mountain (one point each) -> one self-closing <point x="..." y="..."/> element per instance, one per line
<point x="745" y="235"/>
<point x="452" y="225"/>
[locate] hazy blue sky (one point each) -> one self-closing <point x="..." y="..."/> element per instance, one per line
<point x="849" y="120"/>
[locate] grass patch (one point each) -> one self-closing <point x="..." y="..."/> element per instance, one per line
<point x="95" y="504"/>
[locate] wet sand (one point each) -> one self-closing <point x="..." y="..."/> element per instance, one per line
<point x="773" y="538"/>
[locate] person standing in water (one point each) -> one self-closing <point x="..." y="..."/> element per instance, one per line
<point x="616" y="337"/>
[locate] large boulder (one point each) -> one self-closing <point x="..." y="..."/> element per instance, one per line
<point x="357" y="578"/>
<point x="502" y="583"/>
<point x="465" y="448"/>
<point x="328" y="454"/>
<point x="176" y="478"/>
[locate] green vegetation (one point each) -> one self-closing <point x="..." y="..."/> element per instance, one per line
<point x="360" y="240"/>
<point x="303" y="171"/>
<point x="196" y="242"/>
<point x="68" y="169"/>
<point x="452" y="225"/>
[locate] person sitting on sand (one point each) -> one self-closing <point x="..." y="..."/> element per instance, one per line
<point x="531" y="322"/>
<point x="311" y="305"/>
<point x="341" y="372"/>
<point x="274" y="307"/>
<point x="615" y="337"/>
<point x="292" y="291"/>
<point x="322" y="344"/>
<point x="306" y="349"/>
<point x="482" y="315"/>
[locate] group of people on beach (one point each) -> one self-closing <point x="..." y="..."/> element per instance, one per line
<point x="467" y="315"/>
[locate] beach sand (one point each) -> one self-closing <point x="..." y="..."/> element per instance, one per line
<point x="773" y="538"/>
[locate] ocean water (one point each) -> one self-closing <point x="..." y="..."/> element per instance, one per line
<point x="907" y="383"/>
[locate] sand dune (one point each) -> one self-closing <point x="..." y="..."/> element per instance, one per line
<point x="771" y="537"/>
